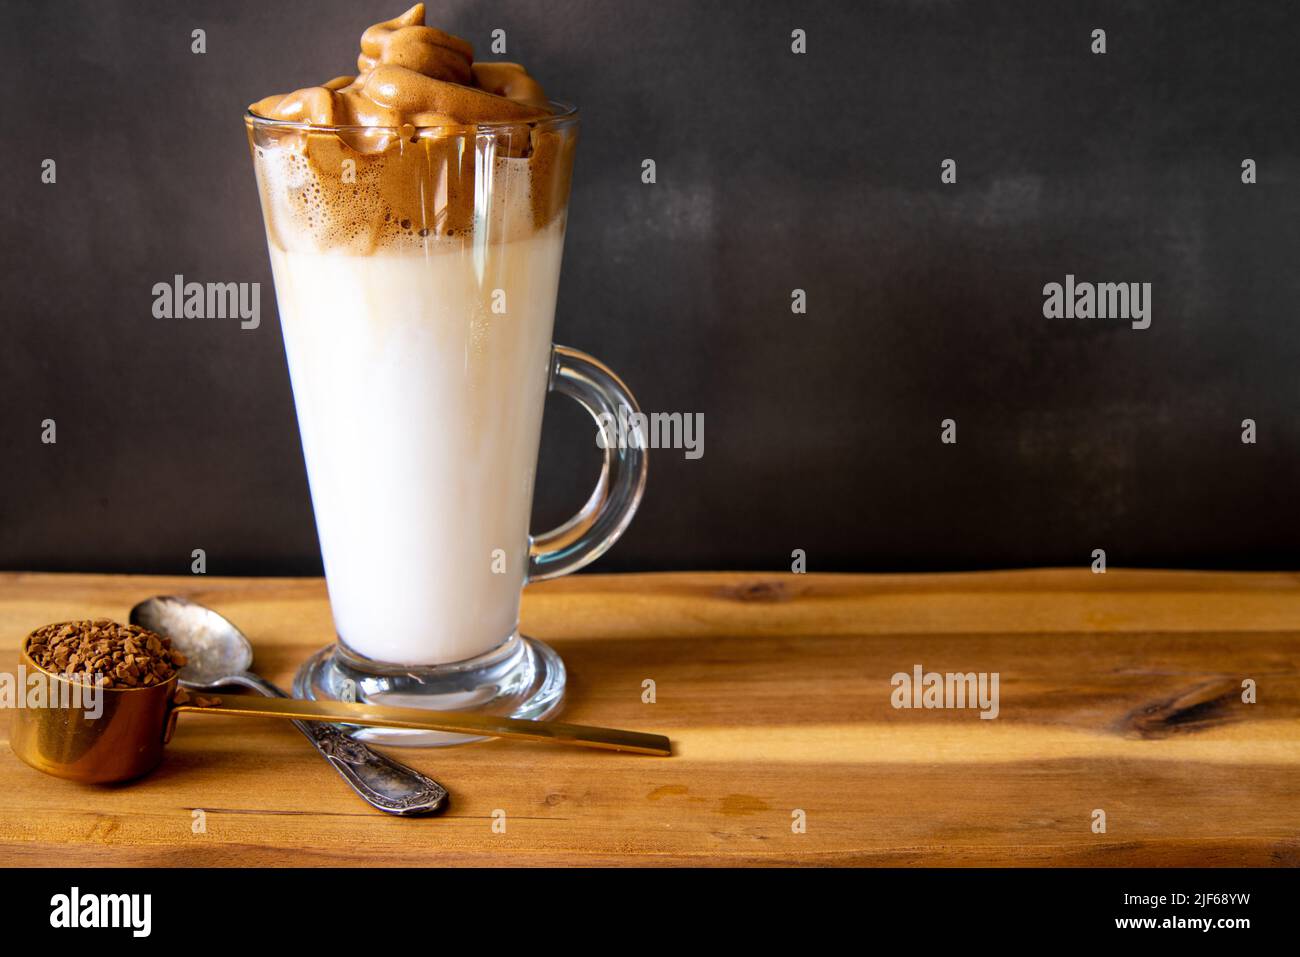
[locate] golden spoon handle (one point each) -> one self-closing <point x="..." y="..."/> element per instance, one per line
<point x="421" y="719"/>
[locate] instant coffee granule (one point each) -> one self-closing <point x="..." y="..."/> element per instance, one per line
<point x="127" y="656"/>
<point x="181" y="696"/>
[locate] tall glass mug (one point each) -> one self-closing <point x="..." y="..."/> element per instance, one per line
<point x="416" y="273"/>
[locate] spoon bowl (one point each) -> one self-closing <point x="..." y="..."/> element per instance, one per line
<point x="214" y="648"/>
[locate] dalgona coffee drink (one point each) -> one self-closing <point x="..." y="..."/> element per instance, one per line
<point x="415" y="218"/>
<point x="415" y="215"/>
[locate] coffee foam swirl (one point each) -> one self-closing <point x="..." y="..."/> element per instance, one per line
<point x="415" y="176"/>
<point x="409" y="73"/>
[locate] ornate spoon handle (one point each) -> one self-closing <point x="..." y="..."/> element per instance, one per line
<point x="381" y="781"/>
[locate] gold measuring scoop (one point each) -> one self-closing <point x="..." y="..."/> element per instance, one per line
<point x="125" y="740"/>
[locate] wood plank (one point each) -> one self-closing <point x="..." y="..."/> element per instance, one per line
<point x="1118" y="691"/>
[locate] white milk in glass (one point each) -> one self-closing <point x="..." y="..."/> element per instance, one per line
<point x="419" y="377"/>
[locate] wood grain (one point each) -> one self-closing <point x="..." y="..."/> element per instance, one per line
<point x="1119" y="691"/>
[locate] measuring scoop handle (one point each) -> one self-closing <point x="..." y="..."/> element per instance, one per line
<point x="420" y="719"/>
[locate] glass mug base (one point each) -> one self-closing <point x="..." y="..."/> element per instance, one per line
<point x="523" y="678"/>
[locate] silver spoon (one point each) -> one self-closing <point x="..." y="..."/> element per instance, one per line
<point x="218" y="654"/>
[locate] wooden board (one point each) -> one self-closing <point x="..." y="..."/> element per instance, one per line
<point x="1119" y="692"/>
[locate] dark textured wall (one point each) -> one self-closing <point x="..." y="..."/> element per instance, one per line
<point x="775" y="171"/>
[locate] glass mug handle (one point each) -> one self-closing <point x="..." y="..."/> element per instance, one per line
<point x="609" y="510"/>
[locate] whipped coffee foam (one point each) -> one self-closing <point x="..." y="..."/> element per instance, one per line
<point x="399" y="154"/>
<point x="409" y="73"/>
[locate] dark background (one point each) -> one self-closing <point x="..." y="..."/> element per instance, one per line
<point x="775" y="171"/>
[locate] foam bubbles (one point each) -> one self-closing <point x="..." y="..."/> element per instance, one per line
<point x="320" y="194"/>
